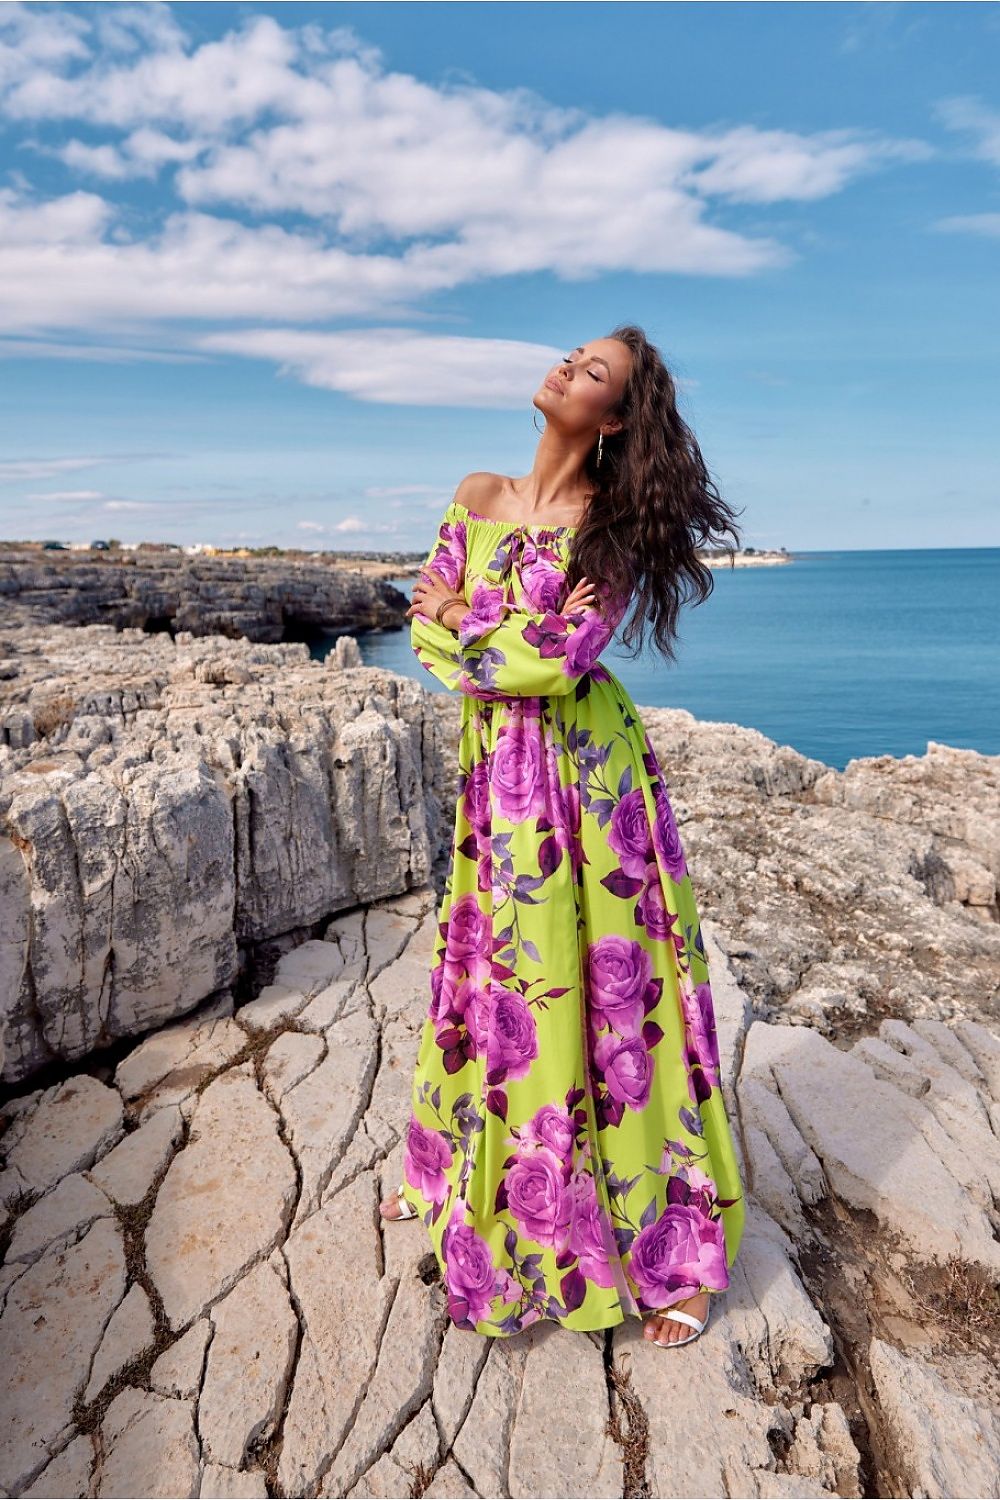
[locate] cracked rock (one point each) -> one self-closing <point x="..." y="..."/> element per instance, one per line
<point x="944" y="1442"/>
<point x="249" y="1364"/>
<point x="300" y="1346"/>
<point x="225" y="1200"/>
<point x="53" y="1321"/>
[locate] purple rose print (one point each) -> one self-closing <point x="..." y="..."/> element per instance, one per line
<point x="517" y="770"/>
<point x="666" y="839"/>
<point x="564" y="809"/>
<point x="487" y="608"/>
<point x="538" y="1198"/>
<point x="437" y="983"/>
<point x="442" y="990"/>
<point x="476" y="798"/>
<point x="586" y="1238"/>
<point x="627" y="1068"/>
<point x="468" y="929"/>
<point x="477" y="1017"/>
<point x="585" y="644"/>
<point x="448" y="559"/>
<point x="543" y="584"/>
<point x="651" y="907"/>
<point x="702" y="1041"/>
<point x="630" y="835"/>
<point x="694" y="1190"/>
<point x="426" y="1160"/>
<point x="471" y="1277"/>
<point x="618" y="971"/>
<point x="512" y="1043"/>
<point x="551" y="1126"/>
<point x="674" y="1254"/>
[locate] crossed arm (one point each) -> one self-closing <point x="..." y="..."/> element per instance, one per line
<point x="494" y="651"/>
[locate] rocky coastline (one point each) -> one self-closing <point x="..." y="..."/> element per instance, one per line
<point x="262" y="599"/>
<point x="220" y="863"/>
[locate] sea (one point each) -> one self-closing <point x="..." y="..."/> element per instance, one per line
<point x="838" y="654"/>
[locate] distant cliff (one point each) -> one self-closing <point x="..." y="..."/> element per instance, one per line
<point x="262" y="599"/>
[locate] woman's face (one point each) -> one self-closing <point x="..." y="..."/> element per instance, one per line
<point x="580" y="389"/>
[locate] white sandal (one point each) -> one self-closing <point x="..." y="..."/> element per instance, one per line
<point x="699" y="1325"/>
<point x="406" y="1210"/>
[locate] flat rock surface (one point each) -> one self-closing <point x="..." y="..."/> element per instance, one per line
<point x="249" y="1325"/>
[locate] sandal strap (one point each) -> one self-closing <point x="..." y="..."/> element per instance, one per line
<point x="683" y="1317"/>
<point x="406" y="1210"/>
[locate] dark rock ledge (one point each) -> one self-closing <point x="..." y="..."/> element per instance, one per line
<point x="262" y="599"/>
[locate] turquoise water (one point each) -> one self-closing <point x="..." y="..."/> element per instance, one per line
<point x="839" y="654"/>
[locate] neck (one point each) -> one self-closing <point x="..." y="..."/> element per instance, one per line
<point x="558" y="478"/>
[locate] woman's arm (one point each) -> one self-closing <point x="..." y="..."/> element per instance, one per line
<point x="497" y="651"/>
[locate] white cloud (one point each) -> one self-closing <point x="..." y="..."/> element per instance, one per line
<point x="65" y="495"/>
<point x="399" y="365"/>
<point x="349" y="523"/>
<point x="103" y="353"/>
<point x="968" y="114"/>
<point x="407" y="188"/>
<point x="45" y="468"/>
<point x="413" y="187"/>
<point x="987" y="225"/>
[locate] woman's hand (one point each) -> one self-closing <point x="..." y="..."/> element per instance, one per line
<point x="581" y="597"/>
<point x="429" y="592"/>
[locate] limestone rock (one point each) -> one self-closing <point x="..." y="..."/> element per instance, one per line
<point x="944" y="1443"/>
<point x="45" y="1359"/>
<point x="167" y="802"/>
<point x="62" y="1214"/>
<point x="181" y="1367"/>
<point x="308" y="1343"/>
<point x="862" y="1131"/>
<point x="256" y="597"/>
<point x="128" y="1334"/>
<point x="127" y="1173"/>
<point x="150" y="1447"/>
<point x="559" y="1443"/>
<point x="225" y="1201"/>
<point x="66" y="1128"/>
<point x="249" y="1365"/>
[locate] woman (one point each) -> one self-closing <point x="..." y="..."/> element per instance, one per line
<point x="568" y="1147"/>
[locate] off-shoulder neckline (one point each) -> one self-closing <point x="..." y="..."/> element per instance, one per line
<point x="510" y="525"/>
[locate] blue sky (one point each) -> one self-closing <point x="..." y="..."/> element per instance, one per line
<point x="283" y="274"/>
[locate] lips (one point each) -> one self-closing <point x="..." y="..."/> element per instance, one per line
<point x="553" y="384"/>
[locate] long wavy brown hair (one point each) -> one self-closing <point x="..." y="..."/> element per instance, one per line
<point x="653" y="505"/>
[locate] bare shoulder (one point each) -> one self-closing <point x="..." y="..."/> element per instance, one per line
<point x="479" y="491"/>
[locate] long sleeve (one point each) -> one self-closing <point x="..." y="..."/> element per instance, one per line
<point x="504" y="650"/>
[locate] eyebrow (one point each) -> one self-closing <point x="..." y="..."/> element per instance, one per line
<point x="595" y="357"/>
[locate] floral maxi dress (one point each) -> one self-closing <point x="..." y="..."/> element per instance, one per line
<point x="568" y="1147"/>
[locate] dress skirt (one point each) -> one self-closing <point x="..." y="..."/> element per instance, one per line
<point x="568" y="1147"/>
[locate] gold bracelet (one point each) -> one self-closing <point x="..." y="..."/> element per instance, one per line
<point x="447" y="603"/>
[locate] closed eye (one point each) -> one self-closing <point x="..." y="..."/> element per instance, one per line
<point x="569" y="361"/>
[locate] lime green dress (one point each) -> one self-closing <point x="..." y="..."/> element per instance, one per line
<point x="568" y="1147"/>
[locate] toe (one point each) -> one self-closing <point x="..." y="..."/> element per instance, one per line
<point x="667" y="1330"/>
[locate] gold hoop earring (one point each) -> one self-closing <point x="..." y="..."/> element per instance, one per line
<point x="600" y="447"/>
<point x="534" y="414"/>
